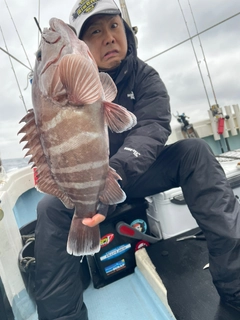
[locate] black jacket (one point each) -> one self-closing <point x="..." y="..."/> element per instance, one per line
<point x="142" y="92"/>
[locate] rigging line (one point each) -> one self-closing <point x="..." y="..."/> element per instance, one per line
<point x="18" y="35"/>
<point x="14" y="58"/>
<point x="195" y="54"/>
<point x="21" y="96"/>
<point x="204" y="57"/>
<point x="178" y="44"/>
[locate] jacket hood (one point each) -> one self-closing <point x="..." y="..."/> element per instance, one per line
<point x="131" y="39"/>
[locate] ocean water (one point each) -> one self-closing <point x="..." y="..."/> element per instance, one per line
<point x="12" y="164"/>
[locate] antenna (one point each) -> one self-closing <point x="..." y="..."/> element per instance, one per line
<point x="21" y="96"/>
<point x="204" y="57"/>
<point x="194" y="51"/>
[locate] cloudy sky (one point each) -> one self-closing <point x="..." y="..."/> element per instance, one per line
<point x="160" y="26"/>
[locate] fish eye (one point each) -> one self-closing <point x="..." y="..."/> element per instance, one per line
<point x="39" y="55"/>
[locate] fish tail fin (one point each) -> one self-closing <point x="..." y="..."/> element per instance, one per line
<point x="82" y="240"/>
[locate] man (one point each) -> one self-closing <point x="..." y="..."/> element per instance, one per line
<point x="147" y="166"/>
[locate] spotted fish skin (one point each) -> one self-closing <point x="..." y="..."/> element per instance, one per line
<point x="67" y="131"/>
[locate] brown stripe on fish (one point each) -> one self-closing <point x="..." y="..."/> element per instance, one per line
<point x="76" y="189"/>
<point x="71" y="117"/>
<point x="82" y="166"/>
<point x="75" y="175"/>
<point x="62" y="158"/>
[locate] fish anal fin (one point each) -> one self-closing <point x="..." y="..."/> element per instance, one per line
<point x="118" y="118"/>
<point x="112" y="193"/>
<point x="109" y="87"/>
<point x="82" y="240"/>
<point x="81" y="83"/>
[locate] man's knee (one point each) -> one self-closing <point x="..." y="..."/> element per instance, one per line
<point x="47" y="202"/>
<point x="51" y="211"/>
<point x="195" y="146"/>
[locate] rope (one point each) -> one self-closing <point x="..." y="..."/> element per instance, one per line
<point x="176" y="45"/>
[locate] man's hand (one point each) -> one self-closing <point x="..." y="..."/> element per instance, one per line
<point x="95" y="220"/>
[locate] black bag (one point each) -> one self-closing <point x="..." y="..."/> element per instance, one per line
<point x="27" y="262"/>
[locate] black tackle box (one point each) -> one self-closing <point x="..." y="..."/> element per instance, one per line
<point x="116" y="258"/>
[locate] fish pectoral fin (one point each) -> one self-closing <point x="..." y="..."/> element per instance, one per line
<point x="80" y="78"/>
<point x="109" y="87"/>
<point x="112" y="193"/>
<point x="118" y="118"/>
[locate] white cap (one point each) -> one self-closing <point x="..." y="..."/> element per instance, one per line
<point x="84" y="9"/>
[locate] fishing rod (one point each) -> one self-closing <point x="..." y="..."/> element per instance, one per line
<point x="209" y="76"/>
<point x="21" y="96"/>
<point x="178" y="44"/>
<point x="18" y="34"/>
<point x="15" y="58"/>
<point x="203" y="53"/>
<point x="195" y="54"/>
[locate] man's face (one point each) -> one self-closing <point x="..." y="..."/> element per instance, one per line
<point x="106" y="38"/>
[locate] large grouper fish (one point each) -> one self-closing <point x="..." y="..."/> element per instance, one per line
<point x="67" y="131"/>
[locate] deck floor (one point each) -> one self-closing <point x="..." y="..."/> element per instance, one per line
<point x="191" y="293"/>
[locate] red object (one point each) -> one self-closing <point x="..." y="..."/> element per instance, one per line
<point x="220" y="125"/>
<point x="126" y="230"/>
<point x="141" y="244"/>
<point x="105" y="240"/>
<point x="35" y="175"/>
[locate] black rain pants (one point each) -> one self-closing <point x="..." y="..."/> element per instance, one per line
<point x="189" y="164"/>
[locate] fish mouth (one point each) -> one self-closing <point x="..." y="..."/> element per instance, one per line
<point x="53" y="61"/>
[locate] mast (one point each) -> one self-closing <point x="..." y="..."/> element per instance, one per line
<point x="126" y="16"/>
<point x="125" y="12"/>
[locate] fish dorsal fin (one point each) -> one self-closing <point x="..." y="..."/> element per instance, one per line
<point x="112" y="193"/>
<point x="80" y="78"/>
<point x="109" y="87"/>
<point x="45" y="182"/>
<point x="118" y="118"/>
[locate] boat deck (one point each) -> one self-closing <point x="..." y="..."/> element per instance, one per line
<point x="128" y="298"/>
<point x="191" y="293"/>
